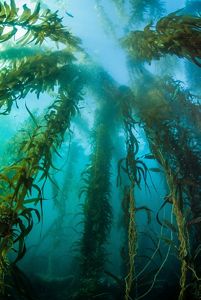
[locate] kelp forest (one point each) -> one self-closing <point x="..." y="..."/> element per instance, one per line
<point x="100" y="166"/>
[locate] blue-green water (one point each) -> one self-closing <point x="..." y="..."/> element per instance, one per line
<point x="100" y="150"/>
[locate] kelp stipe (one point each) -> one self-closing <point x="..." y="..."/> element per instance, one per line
<point x="136" y="171"/>
<point x="96" y="210"/>
<point x="180" y="177"/>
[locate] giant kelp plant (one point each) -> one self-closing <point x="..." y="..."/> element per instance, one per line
<point x="158" y="121"/>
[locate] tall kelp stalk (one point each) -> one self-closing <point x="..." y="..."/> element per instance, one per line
<point x="169" y="37"/>
<point x="136" y="171"/>
<point x="175" y="197"/>
<point x="97" y="207"/>
<point x="130" y="169"/>
<point x="18" y="181"/>
<point x="175" y="143"/>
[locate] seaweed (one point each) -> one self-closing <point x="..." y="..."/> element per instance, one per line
<point x="17" y="81"/>
<point x="167" y="113"/>
<point x="169" y="37"/>
<point x="38" y="25"/>
<point x="97" y="209"/>
<point x="18" y="180"/>
<point x="170" y="141"/>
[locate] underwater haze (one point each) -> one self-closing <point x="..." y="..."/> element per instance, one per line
<point x="100" y="166"/>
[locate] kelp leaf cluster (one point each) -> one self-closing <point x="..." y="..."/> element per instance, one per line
<point x="38" y="74"/>
<point x="38" y="25"/>
<point x="179" y="35"/>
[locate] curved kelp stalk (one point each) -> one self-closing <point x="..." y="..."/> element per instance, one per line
<point x="38" y="25"/>
<point x="169" y="37"/>
<point x="18" y="181"/>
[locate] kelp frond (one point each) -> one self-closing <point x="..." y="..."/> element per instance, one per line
<point x="38" y="73"/>
<point x="169" y="37"/>
<point x="38" y="25"/>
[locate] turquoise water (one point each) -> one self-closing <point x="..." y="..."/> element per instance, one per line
<point x="100" y="151"/>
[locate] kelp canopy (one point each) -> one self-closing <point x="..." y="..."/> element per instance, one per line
<point x="89" y="161"/>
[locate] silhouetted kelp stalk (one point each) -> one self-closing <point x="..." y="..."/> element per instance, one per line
<point x="38" y="25"/>
<point x="179" y="35"/>
<point x="97" y="212"/>
<point x="105" y="20"/>
<point x="18" y="180"/>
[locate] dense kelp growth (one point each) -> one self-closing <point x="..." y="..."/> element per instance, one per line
<point x="88" y="162"/>
<point x="169" y="37"/>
